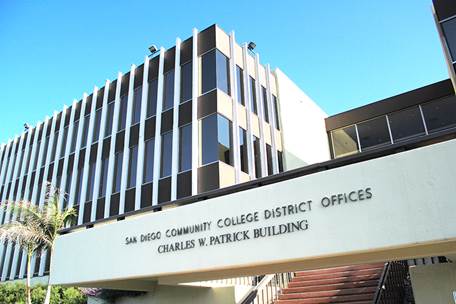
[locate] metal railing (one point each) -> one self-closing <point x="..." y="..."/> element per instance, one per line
<point x="267" y="291"/>
<point x="394" y="285"/>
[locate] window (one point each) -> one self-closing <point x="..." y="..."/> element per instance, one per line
<point x="406" y="124"/>
<point x="109" y="119"/>
<point x="345" y="141"/>
<point x="257" y="156"/>
<point x="149" y="160"/>
<point x="123" y="112"/>
<point x="85" y="131"/>
<point x="117" y="171"/>
<point x="276" y="111"/>
<point x="45" y="150"/>
<point x="96" y="127"/>
<point x="136" y="115"/>
<point x="216" y="141"/>
<point x="373" y="133"/>
<point x="152" y="98"/>
<point x="449" y="30"/>
<point x="133" y="161"/>
<point x="280" y="159"/>
<point x="166" y="154"/>
<point x="243" y="150"/>
<point x="215" y="72"/>
<point x="64" y="142"/>
<point x="185" y="147"/>
<point x="103" y="177"/>
<point x="269" y="159"/>
<point x="54" y="147"/>
<point x="252" y="101"/>
<point x="168" y="90"/>
<point x="186" y="82"/>
<point x="265" y="103"/>
<point x="90" y="182"/>
<point x="77" y="193"/>
<point x="240" y="85"/>
<point x="74" y="136"/>
<point x="440" y="114"/>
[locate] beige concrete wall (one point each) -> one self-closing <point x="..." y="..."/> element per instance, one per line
<point x="183" y="295"/>
<point x="434" y="283"/>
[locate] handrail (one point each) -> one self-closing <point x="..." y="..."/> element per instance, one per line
<point x="381" y="282"/>
<point x="394" y="285"/>
<point x="268" y="289"/>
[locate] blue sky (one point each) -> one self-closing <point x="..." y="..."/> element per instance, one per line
<point x="343" y="54"/>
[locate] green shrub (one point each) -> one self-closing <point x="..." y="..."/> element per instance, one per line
<point x="14" y="293"/>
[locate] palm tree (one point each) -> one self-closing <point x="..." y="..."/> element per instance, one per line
<point x="36" y="229"/>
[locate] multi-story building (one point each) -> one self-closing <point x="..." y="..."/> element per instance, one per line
<point x="199" y="116"/>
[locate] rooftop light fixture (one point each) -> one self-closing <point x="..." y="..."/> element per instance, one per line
<point x="251" y="46"/>
<point x="153" y="49"/>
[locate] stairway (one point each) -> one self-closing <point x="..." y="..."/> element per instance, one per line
<point x="346" y="284"/>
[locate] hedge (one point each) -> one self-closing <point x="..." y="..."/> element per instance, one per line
<point x="14" y="293"/>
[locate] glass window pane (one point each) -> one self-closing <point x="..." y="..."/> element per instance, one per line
<point x="406" y="124"/>
<point x="136" y="116"/>
<point x="85" y="131"/>
<point x="152" y="98"/>
<point x="280" y="159"/>
<point x="117" y="171"/>
<point x="45" y="150"/>
<point x="186" y="82"/>
<point x="77" y="193"/>
<point x="269" y="159"/>
<point x="225" y="150"/>
<point x="449" y="29"/>
<point x="90" y="182"/>
<point x="109" y="119"/>
<point x="185" y="145"/>
<point x="54" y="148"/>
<point x="243" y="150"/>
<point x="96" y="127"/>
<point x="133" y="160"/>
<point x="166" y="154"/>
<point x="208" y="139"/>
<point x="64" y="142"/>
<point x="373" y="133"/>
<point x="208" y="72"/>
<point x="123" y="112"/>
<point x="265" y="103"/>
<point x="345" y="141"/>
<point x="276" y="111"/>
<point x="440" y="114"/>
<point x="253" y="104"/>
<point x="223" y="76"/>
<point x="256" y="153"/>
<point x="240" y="85"/>
<point x="149" y="160"/>
<point x="104" y="177"/>
<point x="168" y="90"/>
<point x="74" y="136"/>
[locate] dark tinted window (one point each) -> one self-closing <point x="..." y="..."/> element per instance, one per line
<point x="185" y="145"/>
<point x="123" y="112"/>
<point x="64" y="143"/>
<point x="406" y="124"/>
<point x="85" y="131"/>
<point x="132" y="165"/>
<point x="90" y="182"/>
<point x="243" y="150"/>
<point x="149" y="160"/>
<point x="166" y="154"/>
<point x="265" y="103"/>
<point x="96" y="126"/>
<point x="45" y="150"/>
<point x="77" y="193"/>
<point x="136" y="115"/>
<point x="225" y="140"/>
<point x="253" y="103"/>
<point x="373" y="133"/>
<point x="109" y="119"/>
<point x="269" y="159"/>
<point x="117" y="171"/>
<point x="54" y="148"/>
<point x="280" y="159"/>
<point x="276" y="111"/>
<point x="257" y="156"/>
<point x="103" y="177"/>
<point x="223" y="75"/>
<point x="168" y="90"/>
<point x="440" y="114"/>
<point x="449" y="29"/>
<point x="186" y="82"/>
<point x="152" y="98"/>
<point x="209" y="139"/>
<point x="208" y="72"/>
<point x="345" y="141"/>
<point x="240" y="85"/>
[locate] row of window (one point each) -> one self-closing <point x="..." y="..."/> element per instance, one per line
<point x="449" y="29"/>
<point x="395" y="127"/>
